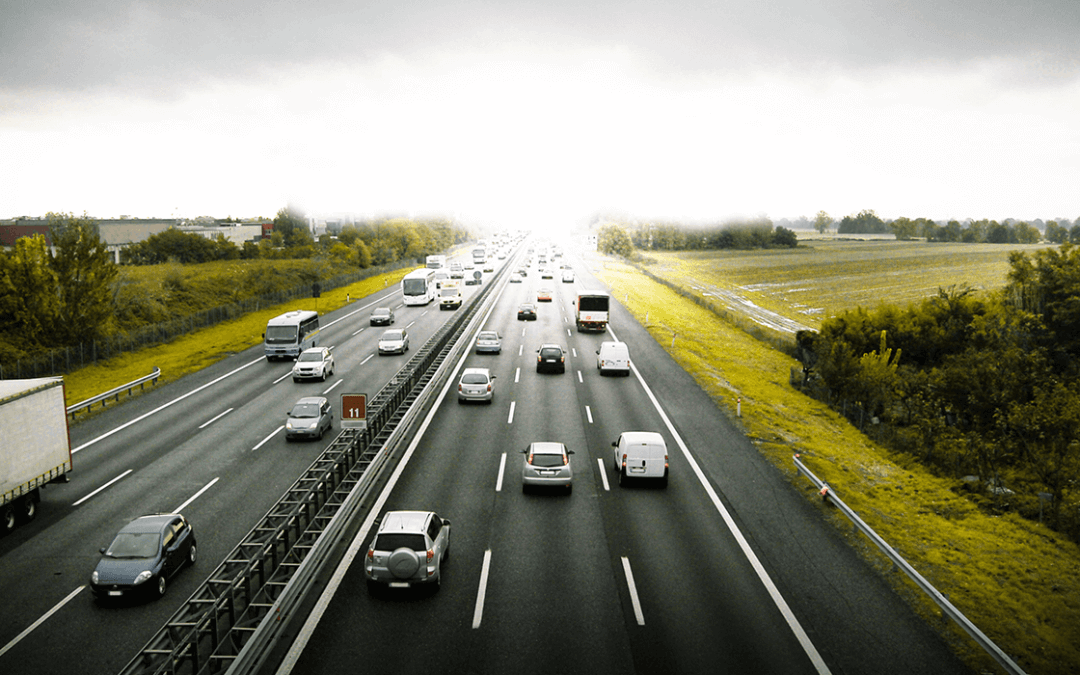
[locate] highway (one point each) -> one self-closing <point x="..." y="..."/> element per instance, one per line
<point x="728" y="569"/>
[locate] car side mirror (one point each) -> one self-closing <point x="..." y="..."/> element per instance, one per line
<point x="101" y="550"/>
<point x="494" y="376"/>
<point x="569" y="452"/>
<point x="614" y="444"/>
<point x="445" y="522"/>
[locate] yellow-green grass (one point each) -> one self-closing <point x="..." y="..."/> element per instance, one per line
<point x="1012" y="578"/>
<point x="821" y="278"/>
<point x="200" y="349"/>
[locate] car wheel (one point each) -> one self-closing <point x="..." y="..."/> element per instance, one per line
<point x="296" y="379"/>
<point x="403" y="563"/>
<point x="323" y="378"/>
<point x="570" y="489"/>
<point x="7" y="518"/>
<point x="29" y="508"/>
<point x="192" y="554"/>
<point x="373" y="587"/>
<point x="622" y="478"/>
<point x="663" y="481"/>
<point x="160" y="586"/>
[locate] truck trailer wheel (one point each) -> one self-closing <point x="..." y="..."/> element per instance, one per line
<point x="28" y="509"/>
<point x="7" y="518"/>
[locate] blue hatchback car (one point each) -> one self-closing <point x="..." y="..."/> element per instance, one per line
<point x="145" y="554"/>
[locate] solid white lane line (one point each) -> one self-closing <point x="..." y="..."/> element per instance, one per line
<point x="478" y="613"/>
<point x="102" y="488"/>
<point x="195" y="496"/>
<point x="633" y="591"/>
<point x="502" y="469"/>
<point x="510" y="420"/>
<point x="763" y="576"/>
<point x="603" y="474"/>
<point x="272" y="434"/>
<point x="588" y="411"/>
<point x="215" y="419"/>
<point x="261" y="359"/>
<point x="40" y="621"/>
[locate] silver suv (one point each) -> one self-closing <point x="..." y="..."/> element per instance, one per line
<point x="408" y="549"/>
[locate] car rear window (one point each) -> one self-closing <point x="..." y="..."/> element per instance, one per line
<point x="474" y="378"/>
<point x="550" y="353"/>
<point x="547" y="460"/>
<point x="394" y="541"/>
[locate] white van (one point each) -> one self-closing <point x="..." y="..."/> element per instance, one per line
<point x="613" y="357"/>
<point x="640" y="454"/>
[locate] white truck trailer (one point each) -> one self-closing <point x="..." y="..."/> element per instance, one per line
<point x="34" y="445"/>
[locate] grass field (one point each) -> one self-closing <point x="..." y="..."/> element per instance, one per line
<point x="1014" y="579"/>
<point x="823" y="277"/>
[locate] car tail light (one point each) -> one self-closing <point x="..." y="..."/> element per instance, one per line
<point x="624" y="460"/>
<point x="489" y="386"/>
<point x="430" y="555"/>
<point x="665" y="462"/>
<point x="459" y="388"/>
<point x="371" y="554"/>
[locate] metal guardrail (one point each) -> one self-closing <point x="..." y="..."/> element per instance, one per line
<point x="937" y="596"/>
<point x="101" y="398"/>
<point x="233" y="621"/>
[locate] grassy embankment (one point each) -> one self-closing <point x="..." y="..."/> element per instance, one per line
<point x="200" y="349"/>
<point x="1013" y="578"/>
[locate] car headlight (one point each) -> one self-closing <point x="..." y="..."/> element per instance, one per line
<point x="94" y="577"/>
<point x="143" y="576"/>
<point x="289" y="425"/>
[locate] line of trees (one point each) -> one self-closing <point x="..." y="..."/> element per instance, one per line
<point x="743" y="234"/>
<point x="972" y="231"/>
<point x="975" y="385"/>
<point x="71" y="292"/>
<point x="365" y="244"/>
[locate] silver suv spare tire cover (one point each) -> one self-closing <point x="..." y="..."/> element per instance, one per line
<point x="404" y="562"/>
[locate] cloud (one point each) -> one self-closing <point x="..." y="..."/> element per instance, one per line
<point x="162" y="47"/>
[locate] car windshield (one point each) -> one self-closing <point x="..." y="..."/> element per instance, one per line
<point x="391" y="335"/>
<point x="394" y="541"/>
<point x="304" y="410"/>
<point x="134" y="545"/>
<point x="474" y="378"/>
<point x="547" y="459"/>
<point x="310" y="356"/>
<point x="281" y="334"/>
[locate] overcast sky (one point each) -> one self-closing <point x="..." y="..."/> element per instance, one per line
<point x="541" y="113"/>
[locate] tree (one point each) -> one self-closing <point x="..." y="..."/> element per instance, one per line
<point x="1056" y="234"/>
<point x="84" y="274"/>
<point x="785" y="237"/>
<point x="30" y="299"/>
<point x="867" y="222"/>
<point x="822" y="221"/>
<point x="614" y="240"/>
<point x="905" y="229"/>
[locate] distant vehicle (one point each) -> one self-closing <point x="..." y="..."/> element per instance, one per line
<point x="550" y="358"/>
<point x="290" y="333"/>
<point x="418" y="287"/>
<point x="526" y="312"/>
<point x="409" y="549"/>
<point x="640" y="454"/>
<point x="546" y="273"/>
<point x="450" y="295"/>
<point x="516" y="278"/>
<point x="474" y="278"/>
<point x="547" y="464"/>
<point x="591" y="309"/>
<point x="145" y="554"/>
<point x="310" y="417"/>
<point x="476" y="384"/>
<point x="489" y="266"/>
<point x="34" y="445"/>
<point x="543" y="295"/>
<point x="488" y="342"/>
<point x="382" y="316"/>
<point x="568" y="276"/>
<point x="394" y="341"/>
<point x="436" y="262"/>
<point x="613" y="357"/>
<point x="457" y="271"/>
<point x="314" y="363"/>
<point x="479" y="255"/>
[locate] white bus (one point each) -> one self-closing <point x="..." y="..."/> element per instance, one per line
<point x="436" y="262"/>
<point x="419" y="286"/>
<point x="289" y="334"/>
<point x="479" y="255"/>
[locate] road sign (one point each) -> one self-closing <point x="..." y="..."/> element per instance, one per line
<point x="354" y="411"/>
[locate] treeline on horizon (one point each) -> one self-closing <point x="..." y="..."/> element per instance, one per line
<point x="982" y="387"/>
<point x="972" y="231"/>
<point x="73" y="293"/>
<point x="622" y="239"/>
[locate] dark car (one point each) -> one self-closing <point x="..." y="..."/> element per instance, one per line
<point x="144" y="555"/>
<point x="311" y="417"/>
<point x="527" y="312"/>
<point x="382" y="316"/>
<point x="550" y="358"/>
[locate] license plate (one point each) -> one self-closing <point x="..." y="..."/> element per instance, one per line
<point x="399" y="584"/>
<point x="637" y="469"/>
<point x="548" y="473"/>
<point x="116" y="593"/>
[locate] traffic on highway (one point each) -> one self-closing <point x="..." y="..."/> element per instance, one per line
<point x="599" y="524"/>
